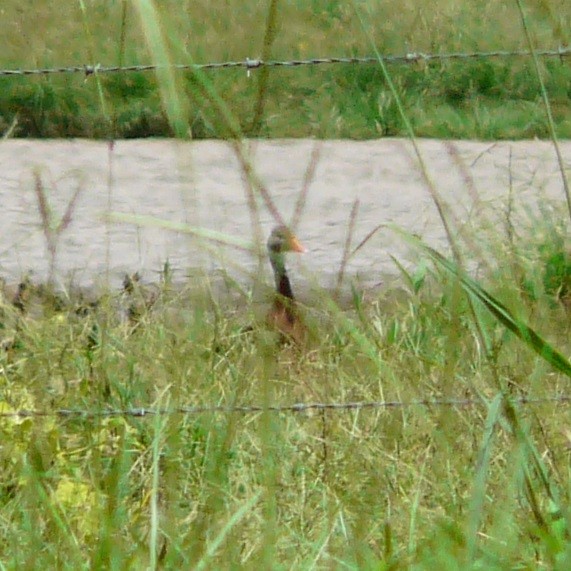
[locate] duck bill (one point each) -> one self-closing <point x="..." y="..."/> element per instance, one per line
<point x="295" y="245"/>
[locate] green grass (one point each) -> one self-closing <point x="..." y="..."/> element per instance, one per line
<point x="483" y="487"/>
<point x="415" y="486"/>
<point x="485" y="99"/>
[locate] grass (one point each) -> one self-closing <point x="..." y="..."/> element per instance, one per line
<point x="485" y="99"/>
<point x="483" y="485"/>
<point x="417" y="486"/>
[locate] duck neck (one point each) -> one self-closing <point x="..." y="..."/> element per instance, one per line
<point x="283" y="286"/>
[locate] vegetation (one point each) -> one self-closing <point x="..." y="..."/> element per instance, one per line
<point x="458" y="457"/>
<point x="467" y="98"/>
<point x="482" y="485"/>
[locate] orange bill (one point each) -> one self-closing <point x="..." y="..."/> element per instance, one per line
<point x="295" y="245"/>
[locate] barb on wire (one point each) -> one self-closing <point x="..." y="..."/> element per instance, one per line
<point x="249" y="409"/>
<point x="250" y="64"/>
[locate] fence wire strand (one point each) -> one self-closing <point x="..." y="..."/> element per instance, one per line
<point x="143" y="412"/>
<point x="252" y="64"/>
<point x="249" y="65"/>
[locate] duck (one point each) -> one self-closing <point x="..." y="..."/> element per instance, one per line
<point x="284" y="315"/>
<point x="137" y="300"/>
<point x="23" y="294"/>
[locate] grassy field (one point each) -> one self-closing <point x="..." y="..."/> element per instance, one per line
<point x="480" y="484"/>
<point x="475" y="98"/>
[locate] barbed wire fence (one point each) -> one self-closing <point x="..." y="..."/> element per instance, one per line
<point x="252" y="64"/>
<point x="142" y="412"/>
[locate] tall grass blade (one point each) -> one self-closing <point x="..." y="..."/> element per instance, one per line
<point x="439" y="202"/>
<point x="204" y="233"/>
<point x="86" y="18"/>
<point x="155" y="490"/>
<point x="412" y="531"/>
<point x="477" y="502"/>
<point x="547" y="105"/>
<point x="67" y="217"/>
<point x="347" y="246"/>
<point x="362" y="243"/>
<point x="523" y="331"/>
<point x="219" y="539"/>
<point x="308" y="177"/>
<point x="11" y="129"/>
<point x="264" y="72"/>
<point x="156" y="42"/>
<point x="231" y="128"/>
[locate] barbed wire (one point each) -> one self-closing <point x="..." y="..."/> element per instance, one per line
<point x="295" y="408"/>
<point x="252" y="64"/>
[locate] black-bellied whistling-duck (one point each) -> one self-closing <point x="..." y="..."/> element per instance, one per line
<point x="283" y="315"/>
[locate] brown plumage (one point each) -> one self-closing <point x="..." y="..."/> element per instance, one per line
<point x="284" y="315"/>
